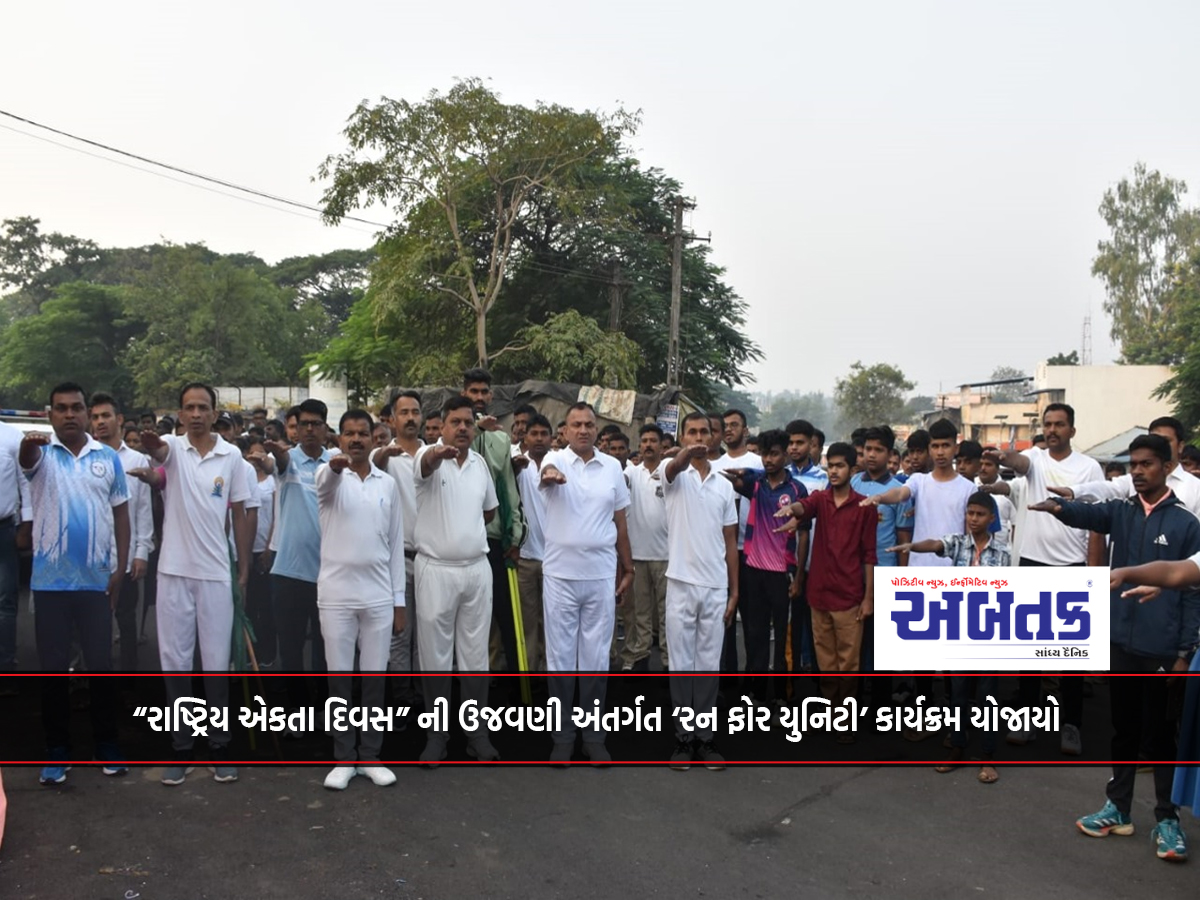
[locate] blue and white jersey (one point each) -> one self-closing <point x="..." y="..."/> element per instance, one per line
<point x="73" y="499"/>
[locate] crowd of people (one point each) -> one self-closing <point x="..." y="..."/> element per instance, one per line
<point x="437" y="543"/>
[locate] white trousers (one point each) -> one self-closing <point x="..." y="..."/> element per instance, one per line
<point x="578" y="620"/>
<point x="695" y="634"/>
<point x="454" y="615"/>
<point x="370" y="630"/>
<point x="187" y="608"/>
<point x="454" y="620"/>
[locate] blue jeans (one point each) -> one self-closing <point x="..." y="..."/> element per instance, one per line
<point x="58" y="614"/>
<point x="9" y="564"/>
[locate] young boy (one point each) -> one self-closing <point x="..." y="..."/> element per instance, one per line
<point x="774" y="560"/>
<point x="840" y="579"/>
<point x="939" y="497"/>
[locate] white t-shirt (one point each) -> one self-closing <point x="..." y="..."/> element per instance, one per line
<point x="940" y="508"/>
<point x="195" y="505"/>
<point x="581" y="536"/>
<point x="266" y="511"/>
<point x="254" y="501"/>
<point x="745" y="461"/>
<point x="141" y="511"/>
<point x="1183" y="485"/>
<point x="401" y="469"/>
<point x="647" y="514"/>
<point x="1046" y="539"/>
<point x="450" y="507"/>
<point x="697" y="512"/>
<point x="534" y="504"/>
<point x="362" y="540"/>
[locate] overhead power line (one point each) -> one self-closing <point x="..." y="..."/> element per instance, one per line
<point x="197" y="175"/>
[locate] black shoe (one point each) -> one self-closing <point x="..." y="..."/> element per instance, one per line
<point x="707" y="753"/>
<point x="681" y="759"/>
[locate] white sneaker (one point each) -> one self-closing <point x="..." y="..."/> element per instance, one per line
<point x="380" y="775"/>
<point x="339" y="777"/>
<point x="1072" y="743"/>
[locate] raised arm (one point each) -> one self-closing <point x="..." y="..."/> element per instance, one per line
<point x="1012" y="459"/>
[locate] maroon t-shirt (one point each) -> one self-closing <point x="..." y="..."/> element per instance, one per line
<point x="844" y="542"/>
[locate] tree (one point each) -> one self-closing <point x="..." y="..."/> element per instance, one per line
<point x="34" y="263"/>
<point x="781" y="408"/>
<point x="915" y="407"/>
<point x="574" y="348"/>
<point x="1151" y="233"/>
<point x="213" y="321"/>
<point x="731" y="398"/>
<point x="1064" y="359"/>
<point x="1007" y="393"/>
<point x="1183" y="387"/>
<point x="336" y="280"/>
<point x="871" y="395"/>
<point x="470" y="167"/>
<point x="80" y="335"/>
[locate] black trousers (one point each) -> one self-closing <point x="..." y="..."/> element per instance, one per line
<point x="502" y="611"/>
<point x="764" y="604"/>
<point x="296" y="616"/>
<point x="1140" y="718"/>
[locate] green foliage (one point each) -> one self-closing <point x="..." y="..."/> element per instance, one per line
<point x="336" y="280"/>
<point x="780" y="408"/>
<point x="731" y="398"/>
<point x="79" y="335"/>
<point x="474" y="165"/>
<point x="571" y="347"/>
<point x="35" y="263"/>
<point x="871" y="395"/>
<point x="1183" y="387"/>
<point x="1007" y="393"/>
<point x="213" y="321"/>
<point x="1064" y="359"/>
<point x="1151" y="233"/>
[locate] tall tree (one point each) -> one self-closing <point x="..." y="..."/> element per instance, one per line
<point x="1151" y="232"/>
<point x="1183" y="387"/>
<point x="871" y="395"/>
<point x="35" y="263"/>
<point x="213" y="321"/>
<point x="471" y="166"/>
<point x="336" y="280"/>
<point x="80" y="335"/>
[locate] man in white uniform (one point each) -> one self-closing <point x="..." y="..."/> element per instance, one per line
<point x="205" y="484"/>
<point x="536" y="439"/>
<point x="648" y="541"/>
<point x="702" y="584"/>
<point x="360" y="591"/>
<point x="397" y="460"/>
<point x="455" y="500"/>
<point x="585" y="501"/>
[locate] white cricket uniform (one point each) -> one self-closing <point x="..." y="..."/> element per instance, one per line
<point x="579" y="572"/>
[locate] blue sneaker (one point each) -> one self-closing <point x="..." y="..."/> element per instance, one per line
<point x="110" y="755"/>
<point x="53" y="775"/>
<point x="1108" y="821"/>
<point x="1170" y="843"/>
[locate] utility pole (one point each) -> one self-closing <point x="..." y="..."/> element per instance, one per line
<point x="674" y="358"/>
<point x="615" y="287"/>
<point x="676" y="294"/>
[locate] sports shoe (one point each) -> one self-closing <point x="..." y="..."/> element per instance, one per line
<point x="1109" y="820"/>
<point x="379" y="775"/>
<point x="52" y="775"/>
<point x="706" y="752"/>
<point x="681" y="759"/>
<point x="110" y="755"/>
<point x="223" y="773"/>
<point x="479" y="747"/>
<point x="339" y="777"/>
<point x="560" y="756"/>
<point x="434" y="753"/>
<point x="1019" y="738"/>
<point x="597" y="753"/>
<point x="1072" y="744"/>
<point x="1170" y="843"/>
<point x="176" y="775"/>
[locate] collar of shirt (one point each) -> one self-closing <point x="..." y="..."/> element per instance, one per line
<point x="884" y="479"/>
<point x="1150" y="507"/>
<point x="576" y="458"/>
<point x="220" y="448"/>
<point x="91" y="445"/>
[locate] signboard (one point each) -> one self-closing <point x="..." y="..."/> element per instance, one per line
<point x="991" y="619"/>
<point x="668" y="419"/>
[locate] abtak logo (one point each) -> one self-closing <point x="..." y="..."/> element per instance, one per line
<point x="984" y="615"/>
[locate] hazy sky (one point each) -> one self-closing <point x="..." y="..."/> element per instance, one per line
<point x="913" y="183"/>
